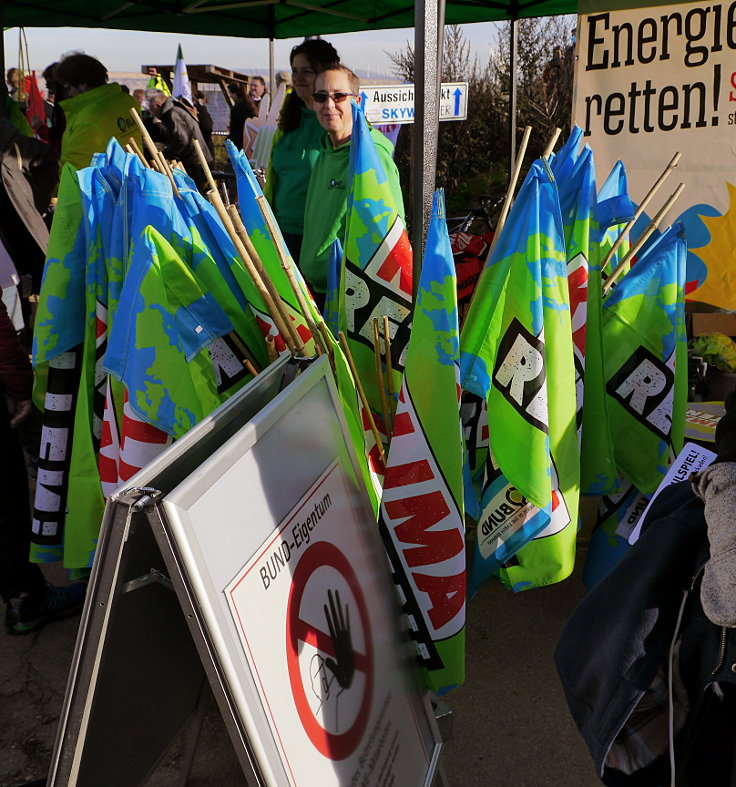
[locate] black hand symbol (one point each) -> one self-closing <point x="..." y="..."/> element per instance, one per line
<point x="344" y="668"/>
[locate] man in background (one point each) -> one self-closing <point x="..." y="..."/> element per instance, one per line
<point x="257" y="90"/>
<point x="180" y="129"/>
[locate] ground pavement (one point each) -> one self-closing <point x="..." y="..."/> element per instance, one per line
<point x="511" y="724"/>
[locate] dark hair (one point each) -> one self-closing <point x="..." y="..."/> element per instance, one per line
<point x="258" y="79"/>
<point x="49" y="77"/>
<point x="241" y="97"/>
<point x="320" y="54"/>
<point x="80" y="69"/>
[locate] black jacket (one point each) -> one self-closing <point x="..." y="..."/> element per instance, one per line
<point x="619" y="637"/>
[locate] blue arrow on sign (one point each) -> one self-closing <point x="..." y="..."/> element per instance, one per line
<point x="457" y="95"/>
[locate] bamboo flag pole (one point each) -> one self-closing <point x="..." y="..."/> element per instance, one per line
<point x="133" y="148"/>
<point x="361" y="393"/>
<point x="654" y="189"/>
<point x="511" y="189"/>
<point x="286" y="265"/>
<point x="643" y="237"/>
<point x="248" y="357"/>
<point x="156" y="154"/>
<point x="271" y="349"/>
<point x="205" y="166"/>
<point x="325" y="333"/>
<point x="273" y="310"/>
<point x="389" y="370"/>
<point x="250" y="250"/>
<point x="551" y="144"/>
<point x="379" y="374"/>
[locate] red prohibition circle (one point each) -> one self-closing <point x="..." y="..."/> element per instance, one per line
<point x="331" y="745"/>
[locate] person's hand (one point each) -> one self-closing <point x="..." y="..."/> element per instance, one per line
<point x="18" y="410"/>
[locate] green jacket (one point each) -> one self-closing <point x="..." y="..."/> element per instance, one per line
<point x="292" y="159"/>
<point x="326" y="208"/>
<point x="92" y="118"/>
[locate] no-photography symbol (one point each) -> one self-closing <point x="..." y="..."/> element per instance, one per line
<point x="329" y="651"/>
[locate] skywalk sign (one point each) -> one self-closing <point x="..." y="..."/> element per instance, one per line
<point x="395" y="103"/>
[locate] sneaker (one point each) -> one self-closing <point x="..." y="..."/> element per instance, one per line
<point x="21" y="617"/>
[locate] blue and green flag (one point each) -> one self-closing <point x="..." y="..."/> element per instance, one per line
<point x="517" y="336"/>
<point x="645" y="361"/>
<point x="421" y="515"/>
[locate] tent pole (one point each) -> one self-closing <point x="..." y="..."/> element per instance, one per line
<point x="429" y="18"/>
<point x="513" y="78"/>
<point x="271" y="70"/>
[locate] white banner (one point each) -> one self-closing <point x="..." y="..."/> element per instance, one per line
<point x="653" y="81"/>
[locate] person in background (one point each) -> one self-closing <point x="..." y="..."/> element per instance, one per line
<point x="139" y="94"/>
<point x="180" y="130"/>
<point x="30" y="601"/>
<point x="125" y="89"/>
<point x="157" y="82"/>
<point x="95" y="110"/>
<point x="206" y="123"/>
<point x="297" y="142"/>
<point x="326" y="210"/>
<point x="12" y="80"/>
<point x="257" y="90"/>
<point x="283" y="78"/>
<point x="242" y="109"/>
<point x="55" y="119"/>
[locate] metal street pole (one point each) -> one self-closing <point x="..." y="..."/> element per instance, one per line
<point x="429" y="20"/>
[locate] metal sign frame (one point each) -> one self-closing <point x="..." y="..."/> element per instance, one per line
<point x="148" y="643"/>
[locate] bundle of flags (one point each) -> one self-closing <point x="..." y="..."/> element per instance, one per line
<point x="149" y="319"/>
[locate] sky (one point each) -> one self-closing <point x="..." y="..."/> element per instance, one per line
<point x="123" y="50"/>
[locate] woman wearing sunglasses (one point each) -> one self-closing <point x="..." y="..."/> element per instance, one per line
<point x="325" y="214"/>
<point x="297" y="143"/>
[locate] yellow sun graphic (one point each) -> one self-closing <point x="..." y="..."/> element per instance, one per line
<point x="719" y="256"/>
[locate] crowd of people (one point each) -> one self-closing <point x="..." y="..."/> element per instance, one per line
<point x="305" y="183"/>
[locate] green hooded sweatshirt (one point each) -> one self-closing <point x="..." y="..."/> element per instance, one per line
<point x="327" y="204"/>
<point x="92" y="118"/>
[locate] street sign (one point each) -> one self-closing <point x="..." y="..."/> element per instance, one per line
<point x="395" y="103"/>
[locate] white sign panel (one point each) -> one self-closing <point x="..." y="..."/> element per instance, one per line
<point x="654" y="81"/>
<point x="316" y="629"/>
<point x="692" y="459"/>
<point x="395" y="103"/>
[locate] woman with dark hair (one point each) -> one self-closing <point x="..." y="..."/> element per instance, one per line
<point x="242" y="109"/>
<point x="297" y="142"/>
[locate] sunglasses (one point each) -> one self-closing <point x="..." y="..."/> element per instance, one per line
<point x="338" y="98"/>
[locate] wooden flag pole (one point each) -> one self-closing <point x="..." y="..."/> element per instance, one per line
<point x="652" y="191"/>
<point x="154" y="151"/>
<point x="250" y="250"/>
<point x="286" y="265"/>
<point x="379" y="376"/>
<point x="248" y="357"/>
<point x="389" y="370"/>
<point x="273" y="310"/>
<point x="551" y="144"/>
<point x="138" y="152"/>
<point x="225" y="195"/>
<point x="271" y="349"/>
<point x="325" y="333"/>
<point x="205" y="166"/>
<point x="363" y="398"/>
<point x="643" y="237"/>
<point x="511" y="189"/>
